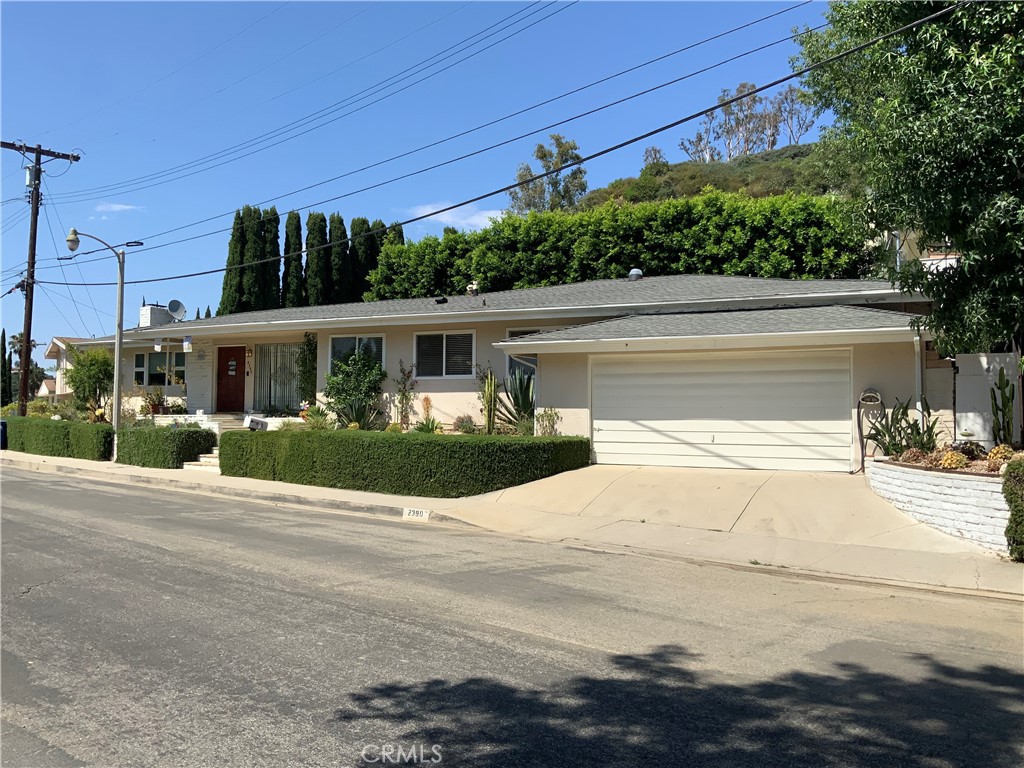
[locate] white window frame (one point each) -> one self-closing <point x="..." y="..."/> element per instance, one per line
<point x="175" y="368"/>
<point x="358" y="336"/>
<point x="444" y="350"/>
<point x="136" y="369"/>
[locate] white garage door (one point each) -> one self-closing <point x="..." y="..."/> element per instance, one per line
<point x="787" y="411"/>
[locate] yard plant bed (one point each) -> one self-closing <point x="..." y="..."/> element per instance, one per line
<point x="70" y="439"/>
<point x="414" y="464"/>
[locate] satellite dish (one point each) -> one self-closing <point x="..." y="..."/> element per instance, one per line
<point x="177" y="309"/>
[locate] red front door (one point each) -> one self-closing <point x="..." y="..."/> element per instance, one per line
<point x="230" y="379"/>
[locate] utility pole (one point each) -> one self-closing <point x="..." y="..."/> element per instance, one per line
<point x="30" y="272"/>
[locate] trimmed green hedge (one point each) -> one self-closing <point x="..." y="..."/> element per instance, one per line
<point x="163" y="447"/>
<point x="71" y="439"/>
<point x="412" y="464"/>
<point x="1013" y="491"/>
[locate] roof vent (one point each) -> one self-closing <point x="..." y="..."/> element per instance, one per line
<point x="635" y="274"/>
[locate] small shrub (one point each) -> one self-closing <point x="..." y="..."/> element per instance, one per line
<point x="357" y="378"/>
<point x="318" y="418"/>
<point x="1013" y="492"/>
<point x="912" y="456"/>
<point x="464" y="424"/>
<point x="394" y="428"/>
<point x="363" y="413"/>
<point x="971" y="449"/>
<point x="547" y="421"/>
<point x="429" y="425"/>
<point x="162" y="447"/>
<point x="353" y="425"/>
<point x="953" y="460"/>
<point x="1000" y="453"/>
<point x="934" y="458"/>
<point x="894" y="431"/>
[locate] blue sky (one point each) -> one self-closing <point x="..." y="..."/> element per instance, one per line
<point x="142" y="89"/>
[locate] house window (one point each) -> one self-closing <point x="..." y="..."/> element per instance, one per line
<point x="343" y="347"/>
<point x="152" y="369"/>
<point x="444" y="354"/>
<point x="516" y="365"/>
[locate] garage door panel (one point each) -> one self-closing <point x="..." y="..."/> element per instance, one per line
<point x="714" y="462"/>
<point x="778" y="411"/>
<point x="657" y="436"/>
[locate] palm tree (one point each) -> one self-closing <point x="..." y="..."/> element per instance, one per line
<point x="14" y="343"/>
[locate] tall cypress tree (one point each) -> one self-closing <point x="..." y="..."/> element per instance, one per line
<point x="255" y="251"/>
<point x="231" y="292"/>
<point x="395" y="234"/>
<point x="293" y="283"/>
<point x="207" y="315"/>
<point x="271" y="284"/>
<point x="318" y="260"/>
<point x="9" y="357"/>
<point x="380" y="233"/>
<point x="197" y="313"/>
<point x="341" y="267"/>
<point x="5" y="373"/>
<point x="365" y="251"/>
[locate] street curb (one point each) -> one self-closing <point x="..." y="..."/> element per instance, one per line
<point x="289" y="499"/>
<point x="383" y="510"/>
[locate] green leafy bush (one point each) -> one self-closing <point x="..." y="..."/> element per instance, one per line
<point x="1013" y="492"/>
<point x="163" y="447"/>
<point x="71" y="439"/>
<point x="410" y="464"/>
<point x="896" y="431"/>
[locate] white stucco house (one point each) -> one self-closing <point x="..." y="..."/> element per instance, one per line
<point x="682" y="370"/>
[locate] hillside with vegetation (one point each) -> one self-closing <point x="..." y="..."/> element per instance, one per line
<point x="797" y="168"/>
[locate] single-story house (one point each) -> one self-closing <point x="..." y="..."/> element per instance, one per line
<point x="59" y="350"/>
<point x="682" y="370"/>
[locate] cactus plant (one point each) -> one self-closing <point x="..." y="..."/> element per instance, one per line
<point x="912" y="456"/>
<point x="953" y="460"/>
<point x="490" y="398"/>
<point x="1001" y="453"/>
<point x="1002" y="408"/>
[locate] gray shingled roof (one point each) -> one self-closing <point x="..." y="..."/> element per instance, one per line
<point x="729" y="323"/>
<point x="619" y="293"/>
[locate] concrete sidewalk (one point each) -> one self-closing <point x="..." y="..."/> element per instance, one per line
<point x="814" y="525"/>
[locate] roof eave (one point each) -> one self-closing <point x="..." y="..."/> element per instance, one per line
<point x="712" y="342"/>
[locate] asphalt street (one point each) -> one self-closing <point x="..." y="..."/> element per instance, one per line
<point x="148" y="628"/>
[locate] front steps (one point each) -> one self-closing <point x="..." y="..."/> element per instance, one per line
<point x="208" y="462"/>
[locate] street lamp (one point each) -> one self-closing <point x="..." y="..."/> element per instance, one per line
<point x="73" y="242"/>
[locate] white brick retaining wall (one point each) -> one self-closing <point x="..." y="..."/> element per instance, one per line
<point x="969" y="506"/>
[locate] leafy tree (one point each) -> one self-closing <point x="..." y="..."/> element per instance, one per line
<point x="557" y="192"/>
<point x="35" y="378"/>
<point x="794" y="113"/>
<point x="231" y="292"/>
<point x="341" y="262"/>
<point x="701" y="148"/>
<point x="931" y="121"/>
<point x="255" y="251"/>
<point x="91" y="377"/>
<point x="318" y="260"/>
<point x="358" y="377"/>
<point x="655" y="163"/>
<point x="293" y="283"/>
<point x="270" y="293"/>
<point x="364" y="251"/>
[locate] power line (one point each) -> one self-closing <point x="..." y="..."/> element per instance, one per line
<point x="71" y="325"/>
<point x="588" y="158"/>
<point x="46" y="214"/>
<point x="459" y="158"/>
<point x="249" y="148"/>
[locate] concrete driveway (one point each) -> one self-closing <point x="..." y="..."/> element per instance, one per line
<point x="802" y="506"/>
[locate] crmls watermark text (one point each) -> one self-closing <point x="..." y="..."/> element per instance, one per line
<point x="401" y="754"/>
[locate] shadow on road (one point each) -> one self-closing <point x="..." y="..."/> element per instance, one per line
<point x="651" y="709"/>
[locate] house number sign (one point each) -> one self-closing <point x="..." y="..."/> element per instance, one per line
<point x="232" y="366"/>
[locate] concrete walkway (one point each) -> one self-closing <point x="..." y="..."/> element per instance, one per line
<point x="811" y="524"/>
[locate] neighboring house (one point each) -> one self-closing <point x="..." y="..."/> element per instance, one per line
<point x="59" y="350"/>
<point x="48" y="391"/>
<point x="683" y="370"/>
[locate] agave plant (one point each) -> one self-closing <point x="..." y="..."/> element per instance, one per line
<point x="363" y="413"/>
<point x="517" y="406"/>
<point x="318" y="418"/>
<point x="429" y="425"/>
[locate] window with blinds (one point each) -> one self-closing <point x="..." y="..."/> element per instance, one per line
<point x="444" y="354"/>
<point x="276" y="377"/>
<point x="343" y="347"/>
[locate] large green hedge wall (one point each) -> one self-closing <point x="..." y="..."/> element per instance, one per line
<point x="71" y="439"/>
<point x="410" y="464"/>
<point x="163" y="447"/>
<point x="1013" y="491"/>
<point x="786" y="236"/>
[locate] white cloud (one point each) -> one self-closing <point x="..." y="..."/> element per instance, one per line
<point x="116" y="207"/>
<point x="467" y="217"/>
